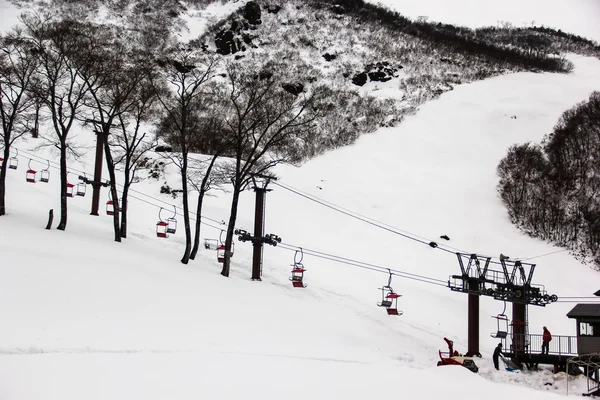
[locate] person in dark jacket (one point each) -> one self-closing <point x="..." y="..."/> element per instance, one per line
<point x="496" y="355"/>
<point x="546" y="338"/>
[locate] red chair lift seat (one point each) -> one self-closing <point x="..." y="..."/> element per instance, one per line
<point x="30" y="176"/>
<point x="161" y="229"/>
<point x="110" y="208"/>
<point x="70" y="187"/>
<point x="221" y="253"/>
<point x="298" y="276"/>
<point x="390" y="301"/>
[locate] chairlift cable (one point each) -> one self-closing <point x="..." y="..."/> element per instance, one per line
<point x="390" y="228"/>
<point x="74" y="171"/>
<point x="542" y="255"/>
<point x="316" y="252"/>
<point x="368" y="266"/>
<point x="363" y="219"/>
<point x="357" y="216"/>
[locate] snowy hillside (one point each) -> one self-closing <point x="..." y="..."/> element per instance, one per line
<point x="85" y="317"/>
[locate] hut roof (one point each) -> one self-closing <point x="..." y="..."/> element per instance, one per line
<point x="585" y="310"/>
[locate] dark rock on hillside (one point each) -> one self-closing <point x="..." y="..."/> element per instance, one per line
<point x="329" y="57"/>
<point x="378" y="72"/>
<point x="251" y="13"/>
<point x="293" y="88"/>
<point x="228" y="43"/>
<point x="232" y="40"/>
<point x="379" y="76"/>
<point x="360" y="79"/>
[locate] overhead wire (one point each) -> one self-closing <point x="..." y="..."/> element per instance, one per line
<point x="395" y="230"/>
<point x="360" y="217"/>
<point x="323" y="255"/>
<point x="193" y="215"/>
<point x="314" y="253"/>
<point x="544" y="255"/>
<point x="334" y="207"/>
<point x="365" y="265"/>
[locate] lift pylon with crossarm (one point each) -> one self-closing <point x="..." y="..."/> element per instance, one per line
<point x="511" y="284"/>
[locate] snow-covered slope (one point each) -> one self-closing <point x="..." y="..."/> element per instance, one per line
<point x="84" y="317"/>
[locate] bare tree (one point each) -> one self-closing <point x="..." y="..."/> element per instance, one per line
<point x="186" y="71"/>
<point x="269" y="119"/>
<point x="17" y="66"/>
<point x="132" y="142"/>
<point x="114" y="74"/>
<point x="206" y="174"/>
<point x="58" y="84"/>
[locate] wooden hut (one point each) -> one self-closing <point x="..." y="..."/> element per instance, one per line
<point x="587" y="316"/>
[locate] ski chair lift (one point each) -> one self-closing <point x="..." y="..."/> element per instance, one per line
<point x="81" y="186"/>
<point x="502" y="325"/>
<point x="221" y="253"/>
<point x="110" y="205"/>
<point x="298" y="270"/>
<point x="211" y="244"/>
<point x="13" y="162"/>
<point x="70" y="188"/>
<point x="389" y="298"/>
<point x="171" y="221"/>
<point x="45" y="173"/>
<point x="30" y="173"/>
<point x="162" y="227"/>
<point x="221" y="249"/>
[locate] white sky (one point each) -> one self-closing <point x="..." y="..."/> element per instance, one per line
<point x="581" y="17"/>
<point x="84" y="317"/>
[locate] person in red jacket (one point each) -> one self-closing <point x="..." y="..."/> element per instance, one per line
<point x="546" y="338"/>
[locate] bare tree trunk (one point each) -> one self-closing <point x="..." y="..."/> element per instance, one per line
<point x="113" y="187"/>
<point x="62" y="225"/>
<point x="230" y="229"/>
<point x="124" y="209"/>
<point x="50" y="219"/>
<point x="198" y="222"/>
<point x="199" y="208"/>
<point x="3" y="180"/>
<point x="186" y="211"/>
<point x="36" y="125"/>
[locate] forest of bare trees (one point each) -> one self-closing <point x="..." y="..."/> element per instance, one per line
<point x="552" y="190"/>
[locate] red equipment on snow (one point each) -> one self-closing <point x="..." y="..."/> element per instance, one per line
<point x="453" y="357"/>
